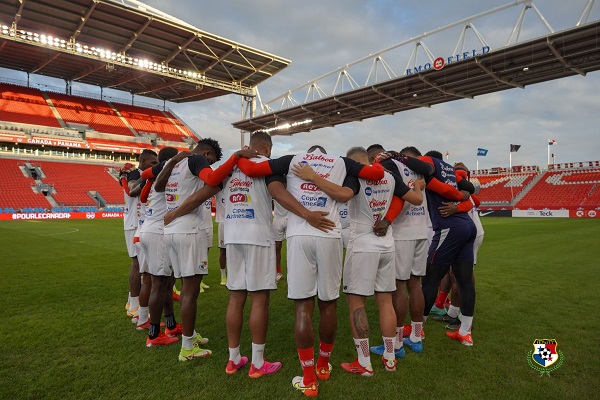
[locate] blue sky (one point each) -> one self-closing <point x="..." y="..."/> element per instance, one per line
<point x="319" y="36"/>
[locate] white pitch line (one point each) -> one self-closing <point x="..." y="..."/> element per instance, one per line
<point x="62" y="233"/>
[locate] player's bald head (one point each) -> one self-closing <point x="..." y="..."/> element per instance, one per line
<point x="315" y="147"/>
<point x="373" y="150"/>
<point x="261" y="141"/>
<point x="358" y="154"/>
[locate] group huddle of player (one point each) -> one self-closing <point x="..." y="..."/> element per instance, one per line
<point x="405" y="220"/>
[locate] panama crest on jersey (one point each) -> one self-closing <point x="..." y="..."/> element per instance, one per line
<point x="545" y="357"/>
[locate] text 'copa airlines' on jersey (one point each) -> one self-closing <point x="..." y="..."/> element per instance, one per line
<point x="440" y="62"/>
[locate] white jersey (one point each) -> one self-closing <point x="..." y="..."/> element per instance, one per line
<point x="156" y="207"/>
<point x="247" y="209"/>
<point x="474" y="214"/>
<point x="207" y="213"/>
<point x="310" y="196"/>
<point x="279" y="211"/>
<point x="344" y="218"/>
<point x="412" y="222"/>
<point x="141" y="213"/>
<point x="130" y="218"/>
<point x="181" y="185"/>
<point x="219" y="207"/>
<point x="370" y="205"/>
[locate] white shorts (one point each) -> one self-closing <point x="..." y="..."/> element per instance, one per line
<point x="476" y="245"/>
<point x="141" y="256"/>
<point x="131" y="250"/>
<point x="209" y="236"/>
<point x="279" y="228"/>
<point x="345" y="236"/>
<point x="367" y="273"/>
<point x="251" y="267"/>
<point x="187" y="253"/>
<point x="153" y="246"/>
<point x="221" y="234"/>
<point x="314" y="267"/>
<point x="411" y="258"/>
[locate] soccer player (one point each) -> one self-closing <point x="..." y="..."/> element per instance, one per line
<point x="280" y="215"/>
<point x="152" y="243"/>
<point x="184" y="239"/>
<point x="129" y="175"/>
<point x="369" y="265"/>
<point x="208" y="229"/>
<point x="314" y="257"/>
<point x="219" y="219"/>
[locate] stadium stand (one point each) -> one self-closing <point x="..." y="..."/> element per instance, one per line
<point x="73" y="182"/>
<point x="97" y="114"/>
<point x="502" y="188"/>
<point x="25" y="105"/>
<point x="147" y="120"/>
<point x="16" y="189"/>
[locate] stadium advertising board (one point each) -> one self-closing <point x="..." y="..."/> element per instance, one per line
<point x="62" y="215"/>
<point x="584" y="213"/>
<point x="541" y="213"/>
<point x="44" y="141"/>
<point x="112" y="147"/>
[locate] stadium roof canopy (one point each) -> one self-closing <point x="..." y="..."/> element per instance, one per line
<point x="557" y="55"/>
<point x="128" y="46"/>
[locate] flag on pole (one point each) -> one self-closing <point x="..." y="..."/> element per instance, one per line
<point x="552" y="142"/>
<point x="447" y="155"/>
<point x="514" y="148"/>
<point x="481" y="152"/>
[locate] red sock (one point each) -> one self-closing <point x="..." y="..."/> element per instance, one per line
<point x="278" y="269"/>
<point x="307" y="361"/>
<point x="324" y="355"/>
<point x="441" y="299"/>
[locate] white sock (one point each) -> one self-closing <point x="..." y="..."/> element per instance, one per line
<point x="134" y="303"/>
<point x="398" y="341"/>
<point x="453" y="311"/>
<point x="187" y="342"/>
<point x="223" y="273"/>
<point x="144" y="314"/>
<point x="258" y="355"/>
<point x="388" y="347"/>
<point x="362" y="348"/>
<point x="415" y="333"/>
<point x="128" y="298"/>
<point x="465" y="325"/>
<point x="234" y="355"/>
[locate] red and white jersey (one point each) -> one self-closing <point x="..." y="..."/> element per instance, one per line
<point x="412" y="222"/>
<point x="181" y="185"/>
<point x="156" y="208"/>
<point x="219" y="207"/>
<point x="279" y="211"/>
<point x="344" y="217"/>
<point x="474" y="214"/>
<point x="141" y="213"/>
<point x="130" y="218"/>
<point x="207" y="213"/>
<point x="329" y="167"/>
<point x="247" y="209"/>
<point x="370" y="205"/>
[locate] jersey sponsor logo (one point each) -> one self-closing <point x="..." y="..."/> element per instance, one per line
<point x="343" y="213"/>
<point x="239" y="213"/>
<point x="235" y="182"/>
<point x="311" y="187"/>
<point x="368" y="191"/>
<point x="313" y="201"/>
<point x="375" y="183"/>
<point x="319" y="157"/>
<point x="377" y="203"/>
<point x="171" y="197"/>
<point x="239" y="198"/>
<point x="406" y="172"/>
<point x="148" y="212"/>
<point x="410" y="183"/>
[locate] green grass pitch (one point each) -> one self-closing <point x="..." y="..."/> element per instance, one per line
<point x="64" y="333"/>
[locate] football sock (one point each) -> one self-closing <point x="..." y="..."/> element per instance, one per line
<point x="398" y="341"/>
<point x="187" y="342"/>
<point x="170" y="321"/>
<point x="153" y="331"/>
<point x="465" y="325"/>
<point x="388" y="345"/>
<point x="415" y="333"/>
<point x="362" y="349"/>
<point x="224" y="273"/>
<point x="307" y="361"/>
<point x="279" y="269"/>
<point x="258" y="355"/>
<point x="441" y="299"/>
<point x="324" y="354"/>
<point x="234" y="354"/>
<point x="453" y="311"/>
<point x="143" y="315"/>
<point x="134" y="303"/>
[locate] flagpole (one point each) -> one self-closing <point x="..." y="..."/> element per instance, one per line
<point x="548" y="152"/>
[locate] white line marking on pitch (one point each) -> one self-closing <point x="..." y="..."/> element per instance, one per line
<point x="63" y="233"/>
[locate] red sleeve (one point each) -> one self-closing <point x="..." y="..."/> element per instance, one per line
<point x="371" y="172"/>
<point x="145" y="191"/>
<point x="427" y="159"/>
<point x="214" y="177"/>
<point x="125" y="185"/>
<point x="148" y="174"/>
<point x="395" y="209"/>
<point x="476" y="200"/>
<point x="464" y="206"/>
<point x="460" y="175"/>
<point x="254" y="170"/>
<point x="445" y="190"/>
